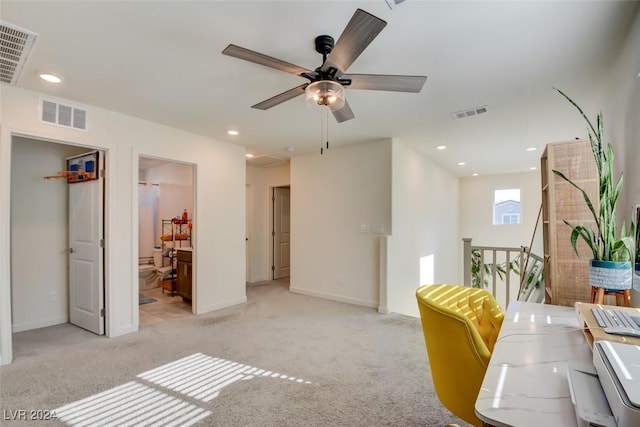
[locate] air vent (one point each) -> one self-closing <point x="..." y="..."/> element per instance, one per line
<point x="15" y="47"/>
<point x="63" y="115"/>
<point x="265" y="161"/>
<point x="470" y="112"/>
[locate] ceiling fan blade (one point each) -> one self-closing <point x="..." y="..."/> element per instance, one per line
<point x="344" y="114"/>
<point x="357" y="35"/>
<point x="262" y="59"/>
<point x="279" y="99"/>
<point x="387" y="82"/>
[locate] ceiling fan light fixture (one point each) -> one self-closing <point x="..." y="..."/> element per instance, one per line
<point x="325" y="93"/>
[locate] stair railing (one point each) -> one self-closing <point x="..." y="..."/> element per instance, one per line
<point x="491" y="268"/>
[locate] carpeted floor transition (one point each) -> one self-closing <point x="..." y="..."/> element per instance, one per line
<point x="281" y="359"/>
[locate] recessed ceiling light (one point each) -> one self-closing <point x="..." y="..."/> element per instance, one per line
<point x="462" y="163"/>
<point x="531" y="149"/>
<point x="441" y="147"/>
<point x="249" y="155"/>
<point x="474" y="174"/>
<point x="51" y="78"/>
<point x="233" y="132"/>
<point x="533" y="168"/>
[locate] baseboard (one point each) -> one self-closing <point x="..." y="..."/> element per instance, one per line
<point x="21" y="327"/>
<point x="221" y="305"/>
<point x="334" y="297"/>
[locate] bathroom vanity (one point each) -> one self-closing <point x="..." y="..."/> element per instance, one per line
<point x="184" y="273"/>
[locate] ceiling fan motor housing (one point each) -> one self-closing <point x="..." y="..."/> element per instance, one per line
<point x="324" y="44"/>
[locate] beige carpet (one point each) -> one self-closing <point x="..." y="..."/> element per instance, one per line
<point x="281" y="359"/>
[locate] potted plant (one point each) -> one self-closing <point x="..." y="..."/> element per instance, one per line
<point x="636" y="277"/>
<point x="613" y="248"/>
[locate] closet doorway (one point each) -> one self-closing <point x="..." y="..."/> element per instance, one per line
<point x="42" y="214"/>
<point x="166" y="207"/>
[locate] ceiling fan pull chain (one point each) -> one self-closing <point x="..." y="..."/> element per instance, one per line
<point x="321" y="134"/>
<point x="327" y="122"/>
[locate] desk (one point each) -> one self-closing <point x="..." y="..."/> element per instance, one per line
<point x="526" y="380"/>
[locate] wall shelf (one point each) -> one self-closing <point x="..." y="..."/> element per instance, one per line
<point x="176" y="233"/>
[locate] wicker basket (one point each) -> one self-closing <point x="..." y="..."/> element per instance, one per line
<point x="610" y="274"/>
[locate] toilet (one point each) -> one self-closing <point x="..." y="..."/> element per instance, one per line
<point x="148" y="276"/>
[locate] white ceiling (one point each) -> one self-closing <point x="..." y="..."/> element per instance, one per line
<point x="161" y="61"/>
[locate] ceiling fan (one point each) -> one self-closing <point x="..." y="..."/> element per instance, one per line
<point x="327" y="83"/>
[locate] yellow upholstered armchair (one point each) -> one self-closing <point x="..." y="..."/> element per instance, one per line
<point x="460" y="326"/>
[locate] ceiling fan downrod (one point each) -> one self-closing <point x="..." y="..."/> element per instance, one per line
<point x="324" y="45"/>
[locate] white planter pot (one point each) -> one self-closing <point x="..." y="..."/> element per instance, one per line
<point x="610" y="274"/>
<point x="636" y="277"/>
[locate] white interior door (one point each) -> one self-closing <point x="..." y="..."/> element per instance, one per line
<point x="86" y="259"/>
<point x="281" y="233"/>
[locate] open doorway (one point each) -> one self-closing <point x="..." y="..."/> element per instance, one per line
<point x="42" y="211"/>
<point x="281" y="232"/>
<point x="165" y="240"/>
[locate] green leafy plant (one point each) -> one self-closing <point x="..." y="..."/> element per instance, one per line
<point x="530" y="279"/>
<point x="480" y="272"/>
<point x="480" y="281"/>
<point x="638" y="235"/>
<point x="605" y="241"/>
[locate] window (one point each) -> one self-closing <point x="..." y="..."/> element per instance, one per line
<point x="506" y="206"/>
<point x="510" y="219"/>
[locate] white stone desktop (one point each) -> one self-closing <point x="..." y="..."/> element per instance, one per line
<point x="526" y="381"/>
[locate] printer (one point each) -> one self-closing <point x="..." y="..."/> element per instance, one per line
<point x="618" y="368"/>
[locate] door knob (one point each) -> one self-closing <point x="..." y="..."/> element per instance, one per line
<point x="70" y="250"/>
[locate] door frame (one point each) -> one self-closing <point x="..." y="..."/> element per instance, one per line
<point x="6" y="324"/>
<point x="136" y="229"/>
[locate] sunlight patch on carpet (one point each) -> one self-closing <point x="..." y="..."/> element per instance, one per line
<point x="131" y="404"/>
<point x="198" y="376"/>
<point x="202" y="377"/>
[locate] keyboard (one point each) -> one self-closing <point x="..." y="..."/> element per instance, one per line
<point x="607" y="317"/>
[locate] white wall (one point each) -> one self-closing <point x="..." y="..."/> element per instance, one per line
<point x="171" y="173"/>
<point x="219" y="264"/>
<point x="39" y="234"/>
<point x="332" y="195"/>
<point x="425" y="223"/>
<point x="476" y="210"/>
<point x="260" y="181"/>
<point x="621" y="111"/>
